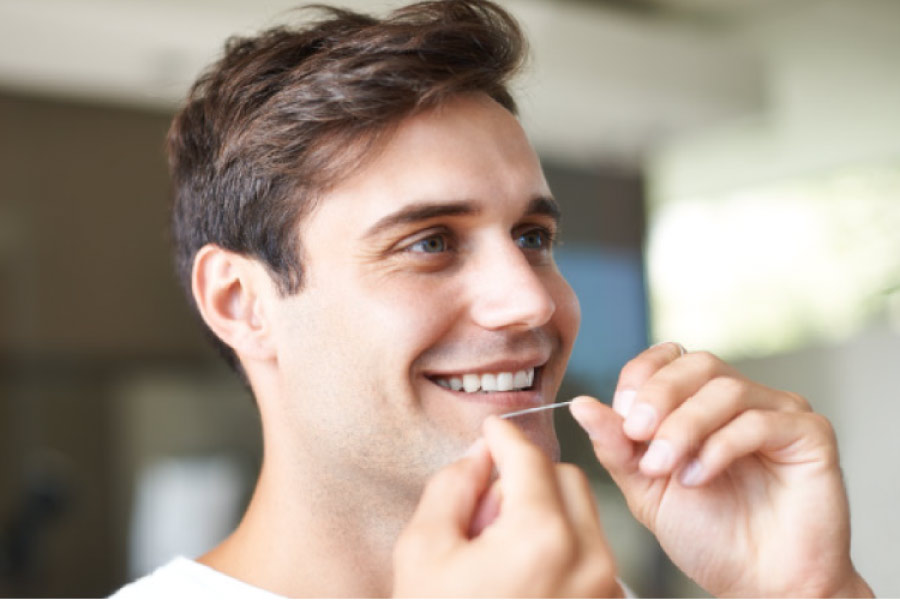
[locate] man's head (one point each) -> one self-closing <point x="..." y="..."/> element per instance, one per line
<point x="284" y="115"/>
<point x="369" y="227"/>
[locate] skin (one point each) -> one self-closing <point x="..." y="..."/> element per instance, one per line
<point x="564" y="553"/>
<point x="353" y="422"/>
<point x="354" y="426"/>
<point x="740" y="483"/>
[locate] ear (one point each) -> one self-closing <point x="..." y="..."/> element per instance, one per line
<point x="231" y="291"/>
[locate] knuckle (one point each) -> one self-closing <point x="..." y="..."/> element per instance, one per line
<point x="636" y="371"/>
<point x="824" y="425"/>
<point x="755" y="420"/>
<point x="595" y="574"/>
<point x="732" y="390"/>
<point x="660" y="392"/>
<point x="642" y="367"/>
<point x="829" y="436"/>
<point x="706" y="362"/>
<point x="603" y="573"/>
<point x="673" y="350"/>
<point x="797" y="402"/>
<point x="554" y="542"/>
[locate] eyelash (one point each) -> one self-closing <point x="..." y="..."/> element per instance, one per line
<point x="443" y="235"/>
<point x="547" y="235"/>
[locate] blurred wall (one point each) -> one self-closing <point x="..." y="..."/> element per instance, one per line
<point x="832" y="90"/>
<point x="87" y="295"/>
<point x="856" y="384"/>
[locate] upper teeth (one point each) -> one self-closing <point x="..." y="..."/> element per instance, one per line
<point x="488" y="382"/>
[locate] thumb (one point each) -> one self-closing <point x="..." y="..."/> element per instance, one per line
<point x="488" y="510"/>
<point x="618" y="454"/>
<point x="451" y="498"/>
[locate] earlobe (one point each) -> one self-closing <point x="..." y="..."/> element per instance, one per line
<point x="229" y="295"/>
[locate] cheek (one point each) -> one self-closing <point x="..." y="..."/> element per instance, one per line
<point x="568" y="310"/>
<point x="415" y="314"/>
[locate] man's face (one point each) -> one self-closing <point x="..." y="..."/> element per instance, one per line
<point x="428" y="269"/>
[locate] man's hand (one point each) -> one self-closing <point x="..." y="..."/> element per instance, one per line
<point x="534" y="532"/>
<point x="740" y="483"/>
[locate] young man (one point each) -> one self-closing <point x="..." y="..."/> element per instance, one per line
<point x="367" y="233"/>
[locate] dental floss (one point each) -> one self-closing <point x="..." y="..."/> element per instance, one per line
<point x="526" y="411"/>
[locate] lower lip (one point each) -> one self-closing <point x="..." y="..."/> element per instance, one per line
<point x="507" y="401"/>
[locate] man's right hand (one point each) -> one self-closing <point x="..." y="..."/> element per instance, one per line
<point x="542" y="539"/>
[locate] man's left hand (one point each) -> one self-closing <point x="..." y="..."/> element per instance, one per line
<point x="740" y="483"/>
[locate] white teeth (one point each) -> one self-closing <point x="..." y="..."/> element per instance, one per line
<point x="471" y="383"/>
<point x="521" y="379"/>
<point x="504" y="382"/>
<point x="488" y="382"/>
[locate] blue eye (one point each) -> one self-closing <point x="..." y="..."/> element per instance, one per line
<point x="534" y="239"/>
<point x="433" y="244"/>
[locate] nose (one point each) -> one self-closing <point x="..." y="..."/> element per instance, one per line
<point x="507" y="291"/>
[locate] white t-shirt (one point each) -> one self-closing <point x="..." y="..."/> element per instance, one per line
<point x="185" y="578"/>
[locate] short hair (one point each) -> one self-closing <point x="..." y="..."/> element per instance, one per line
<point x="282" y="115"/>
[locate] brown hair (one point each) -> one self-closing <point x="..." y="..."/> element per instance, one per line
<point x="284" y="114"/>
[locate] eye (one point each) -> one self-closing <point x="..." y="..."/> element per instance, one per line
<point x="534" y="239"/>
<point x="433" y="244"/>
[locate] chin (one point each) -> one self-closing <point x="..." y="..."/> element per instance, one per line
<point x="540" y="430"/>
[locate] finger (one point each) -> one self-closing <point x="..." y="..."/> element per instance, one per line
<point x="597" y="565"/>
<point x="667" y="388"/>
<point x="618" y="454"/>
<point x="782" y="437"/>
<point x="717" y="403"/>
<point x="639" y="369"/>
<point x="527" y="474"/>
<point x="451" y="496"/>
<point x="488" y="509"/>
<point x="578" y="500"/>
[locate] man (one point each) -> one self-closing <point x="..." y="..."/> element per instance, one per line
<point x="367" y="233"/>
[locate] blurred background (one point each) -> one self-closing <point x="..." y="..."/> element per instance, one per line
<point x="730" y="174"/>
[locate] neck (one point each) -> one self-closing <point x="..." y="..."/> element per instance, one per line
<point x="309" y="535"/>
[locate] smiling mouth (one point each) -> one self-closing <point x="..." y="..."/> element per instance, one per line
<point x="486" y="383"/>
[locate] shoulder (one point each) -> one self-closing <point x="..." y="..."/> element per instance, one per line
<point x="185" y="578"/>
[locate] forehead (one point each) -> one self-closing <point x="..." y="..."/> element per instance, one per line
<point x="469" y="148"/>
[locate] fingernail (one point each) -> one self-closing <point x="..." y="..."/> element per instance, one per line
<point x="692" y="473"/>
<point x="658" y="457"/>
<point x="622" y="401"/>
<point x="583" y="420"/>
<point x="641" y="421"/>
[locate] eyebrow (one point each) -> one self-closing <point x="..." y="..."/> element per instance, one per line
<point x="544" y="205"/>
<point x="424" y="211"/>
